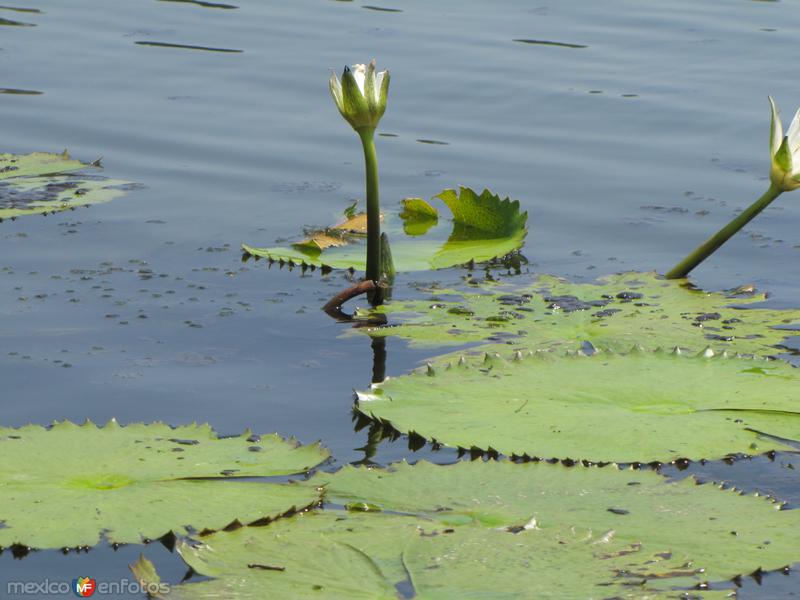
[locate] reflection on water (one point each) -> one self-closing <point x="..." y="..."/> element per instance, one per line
<point x="204" y="4"/>
<point x="11" y="23"/>
<point x="20" y="9"/>
<point x="188" y="47"/>
<point x="382" y="8"/>
<point x="549" y="43"/>
<point x="20" y="92"/>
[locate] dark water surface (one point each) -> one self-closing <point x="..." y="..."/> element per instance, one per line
<point x="630" y="130"/>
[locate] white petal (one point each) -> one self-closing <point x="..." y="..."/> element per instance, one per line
<point x="794" y="131"/>
<point x="336" y="89"/>
<point x="378" y="82"/>
<point x="360" y="73"/>
<point x="776" y="135"/>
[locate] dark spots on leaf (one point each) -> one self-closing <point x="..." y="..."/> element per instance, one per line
<point x="569" y="303"/>
<point x="270" y="568"/>
<point x="719" y="338"/>
<point x="618" y="511"/>
<point x="628" y="296"/>
<point x="184" y="442"/>
<point x="708" y="317"/>
<point x="461" y="311"/>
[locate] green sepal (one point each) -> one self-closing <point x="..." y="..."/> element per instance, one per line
<point x="355" y="108"/>
<point x="783" y="157"/>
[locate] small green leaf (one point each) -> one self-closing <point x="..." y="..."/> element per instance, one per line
<point x="350" y="211"/>
<point x="492" y="217"/>
<point x="70" y="485"/>
<point x="418" y="216"/>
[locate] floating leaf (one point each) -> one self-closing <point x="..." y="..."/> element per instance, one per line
<point x="71" y="484"/>
<point x="483" y="227"/>
<point x="37" y="164"/>
<point x="418" y="216"/>
<point x="637" y="407"/>
<point x="499" y="530"/>
<point x="616" y="312"/>
<point x="38" y="183"/>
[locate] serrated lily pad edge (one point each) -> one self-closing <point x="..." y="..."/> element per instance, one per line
<point x="387" y="430"/>
<point x="169" y="538"/>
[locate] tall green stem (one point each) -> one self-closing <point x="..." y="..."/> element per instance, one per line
<point x="707" y="248"/>
<point x="367" y="135"/>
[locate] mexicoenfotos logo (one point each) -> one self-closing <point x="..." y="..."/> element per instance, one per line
<point x="84" y="586"/>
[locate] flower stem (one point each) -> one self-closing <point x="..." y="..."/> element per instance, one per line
<point x="707" y="248"/>
<point x="367" y="135"/>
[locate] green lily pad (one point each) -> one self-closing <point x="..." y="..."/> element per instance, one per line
<point x="43" y="183"/>
<point x="616" y="312"/>
<point x="70" y="485"/>
<point x="641" y="406"/>
<point x="499" y="530"/>
<point x="484" y="227"/>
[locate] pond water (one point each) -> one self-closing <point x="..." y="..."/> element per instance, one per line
<point x="628" y="141"/>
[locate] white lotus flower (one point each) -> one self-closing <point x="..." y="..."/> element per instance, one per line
<point x="785" y="152"/>
<point x="361" y="95"/>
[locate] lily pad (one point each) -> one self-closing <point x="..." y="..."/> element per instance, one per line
<point x="70" y="485"/>
<point x="499" y="530"/>
<point x="615" y="312"/>
<point x="484" y="227"/>
<point x="641" y="406"/>
<point x="43" y="183"/>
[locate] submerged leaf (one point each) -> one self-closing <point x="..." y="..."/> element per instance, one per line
<point x="72" y="484"/>
<point x="616" y="312"/>
<point x="498" y="530"/>
<point x="625" y="408"/>
<point x="483" y="228"/>
<point x="42" y="183"/>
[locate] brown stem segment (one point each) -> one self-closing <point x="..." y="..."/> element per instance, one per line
<point x="334" y="306"/>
